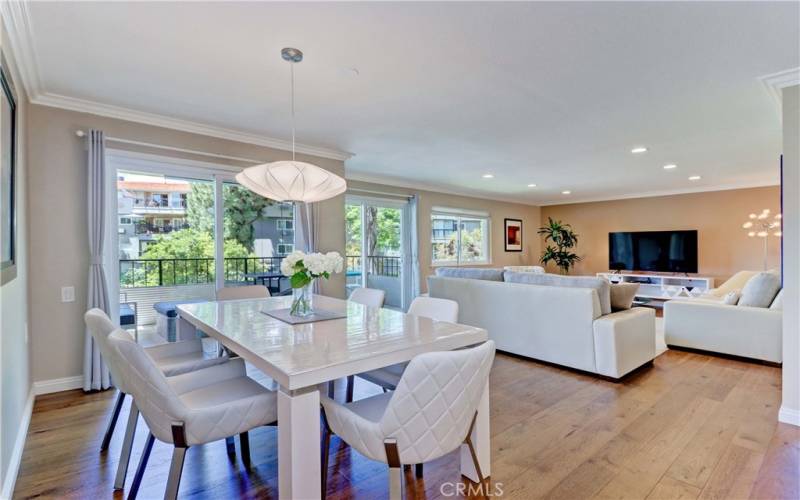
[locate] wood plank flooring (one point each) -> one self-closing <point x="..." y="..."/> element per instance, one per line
<point x="692" y="426"/>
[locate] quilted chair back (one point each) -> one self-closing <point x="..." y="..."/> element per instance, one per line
<point x="436" y="309"/>
<point x="157" y="402"/>
<point x="101" y="326"/>
<point x="432" y="408"/>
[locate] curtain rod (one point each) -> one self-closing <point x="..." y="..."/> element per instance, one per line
<point x="81" y="133"/>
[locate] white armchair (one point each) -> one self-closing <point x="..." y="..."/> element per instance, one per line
<point x="750" y="332"/>
<point x="193" y="408"/>
<point x="431" y="413"/>
<point x="172" y="359"/>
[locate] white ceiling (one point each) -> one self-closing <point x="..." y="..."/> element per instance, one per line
<point x="545" y="93"/>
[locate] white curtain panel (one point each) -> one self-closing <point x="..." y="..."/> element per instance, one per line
<point x="95" y="372"/>
<point x="305" y="230"/>
<point x="413" y="249"/>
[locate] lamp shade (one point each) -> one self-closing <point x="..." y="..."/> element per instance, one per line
<point x="292" y="181"/>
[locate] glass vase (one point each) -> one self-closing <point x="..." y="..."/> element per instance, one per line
<point x="302" y="301"/>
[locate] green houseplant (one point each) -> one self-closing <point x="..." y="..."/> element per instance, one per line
<point x="563" y="240"/>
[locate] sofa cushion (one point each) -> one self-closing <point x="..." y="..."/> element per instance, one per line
<point x="731" y="298"/>
<point x="475" y="273"/>
<point x="525" y="269"/>
<point x="622" y="295"/>
<point x="600" y="285"/>
<point x="777" y="304"/>
<point x="760" y="290"/>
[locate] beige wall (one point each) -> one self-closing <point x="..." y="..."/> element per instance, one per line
<point x="498" y="210"/>
<point x="58" y="231"/>
<point x="724" y="247"/>
<point x="15" y="379"/>
<point x="790" y="406"/>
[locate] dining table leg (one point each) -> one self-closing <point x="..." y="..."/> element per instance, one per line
<point x="299" y="474"/>
<point x="480" y="440"/>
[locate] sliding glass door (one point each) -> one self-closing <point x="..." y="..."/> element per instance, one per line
<point x="376" y="239"/>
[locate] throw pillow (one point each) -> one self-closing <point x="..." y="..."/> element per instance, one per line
<point x="622" y="295"/>
<point x="777" y="304"/>
<point x="731" y="298"/>
<point x="760" y="290"/>
<point x="476" y="273"/>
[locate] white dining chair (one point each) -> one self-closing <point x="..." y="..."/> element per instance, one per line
<point x="171" y="359"/>
<point x="191" y="409"/>
<point x="371" y="297"/>
<point x="430" y="414"/>
<point x="243" y="292"/>
<point x="427" y="307"/>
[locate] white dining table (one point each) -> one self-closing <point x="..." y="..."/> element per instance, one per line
<point x="303" y="356"/>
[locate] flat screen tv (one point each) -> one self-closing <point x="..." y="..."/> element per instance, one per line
<point x="660" y="251"/>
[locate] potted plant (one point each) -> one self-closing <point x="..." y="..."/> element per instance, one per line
<point x="302" y="269"/>
<point x="564" y="240"/>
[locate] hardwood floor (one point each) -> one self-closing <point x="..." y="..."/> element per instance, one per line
<point x="692" y="426"/>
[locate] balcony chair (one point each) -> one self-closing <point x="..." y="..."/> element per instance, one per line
<point x="193" y="408"/>
<point x="430" y="414"/>
<point x="171" y="359"/>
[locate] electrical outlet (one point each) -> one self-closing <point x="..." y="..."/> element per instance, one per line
<point x="67" y="294"/>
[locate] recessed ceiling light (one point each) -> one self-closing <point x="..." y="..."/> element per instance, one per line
<point x="639" y="149"/>
<point x="694" y="178"/>
<point x="488" y="176"/>
<point x="670" y="166"/>
<point x="566" y="192"/>
<point x="531" y="185"/>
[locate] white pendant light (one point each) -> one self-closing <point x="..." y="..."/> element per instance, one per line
<point x="290" y="180"/>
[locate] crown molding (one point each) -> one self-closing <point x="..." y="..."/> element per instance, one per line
<point x="774" y="84"/>
<point x="666" y="192"/>
<point x="156" y="120"/>
<point x="401" y="183"/>
<point x="17" y="20"/>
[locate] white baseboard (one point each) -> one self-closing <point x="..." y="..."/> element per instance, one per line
<point x="10" y="476"/>
<point x="789" y="416"/>
<point x="57" y="385"/>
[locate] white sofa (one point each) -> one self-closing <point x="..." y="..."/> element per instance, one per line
<point x="554" y="324"/>
<point x="750" y="332"/>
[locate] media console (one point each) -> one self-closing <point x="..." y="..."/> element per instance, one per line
<point x="662" y="287"/>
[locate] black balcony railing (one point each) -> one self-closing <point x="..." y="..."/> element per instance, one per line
<point x="379" y="265"/>
<point x="149" y="228"/>
<point x="136" y="273"/>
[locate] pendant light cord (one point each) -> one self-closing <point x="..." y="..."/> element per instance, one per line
<point x="291" y="64"/>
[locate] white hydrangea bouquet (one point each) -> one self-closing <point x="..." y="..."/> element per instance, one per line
<point x="302" y="269"/>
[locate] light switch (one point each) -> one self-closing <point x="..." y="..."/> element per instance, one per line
<point x="67" y="294"/>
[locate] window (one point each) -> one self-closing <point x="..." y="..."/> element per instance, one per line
<point x="285" y="224"/>
<point x="125" y="220"/>
<point x="285" y="248"/>
<point x="459" y="237"/>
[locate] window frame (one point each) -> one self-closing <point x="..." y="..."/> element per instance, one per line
<point x="459" y="214"/>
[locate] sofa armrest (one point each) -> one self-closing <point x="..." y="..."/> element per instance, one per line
<point x="751" y="332"/>
<point x="624" y="340"/>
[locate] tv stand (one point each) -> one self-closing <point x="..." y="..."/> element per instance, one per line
<point x="662" y="287"/>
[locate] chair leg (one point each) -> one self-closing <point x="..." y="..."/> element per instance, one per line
<point x="178" y="456"/>
<point x="230" y="444"/>
<point x="244" y="444"/>
<point x="175" y="471"/>
<point x="326" y="451"/>
<point x="418" y="471"/>
<point x="351" y="382"/>
<point x="127" y="445"/>
<point x="112" y="422"/>
<point x="468" y="440"/>
<point x="395" y="469"/>
<point x="331" y="389"/>
<point x="137" y="478"/>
